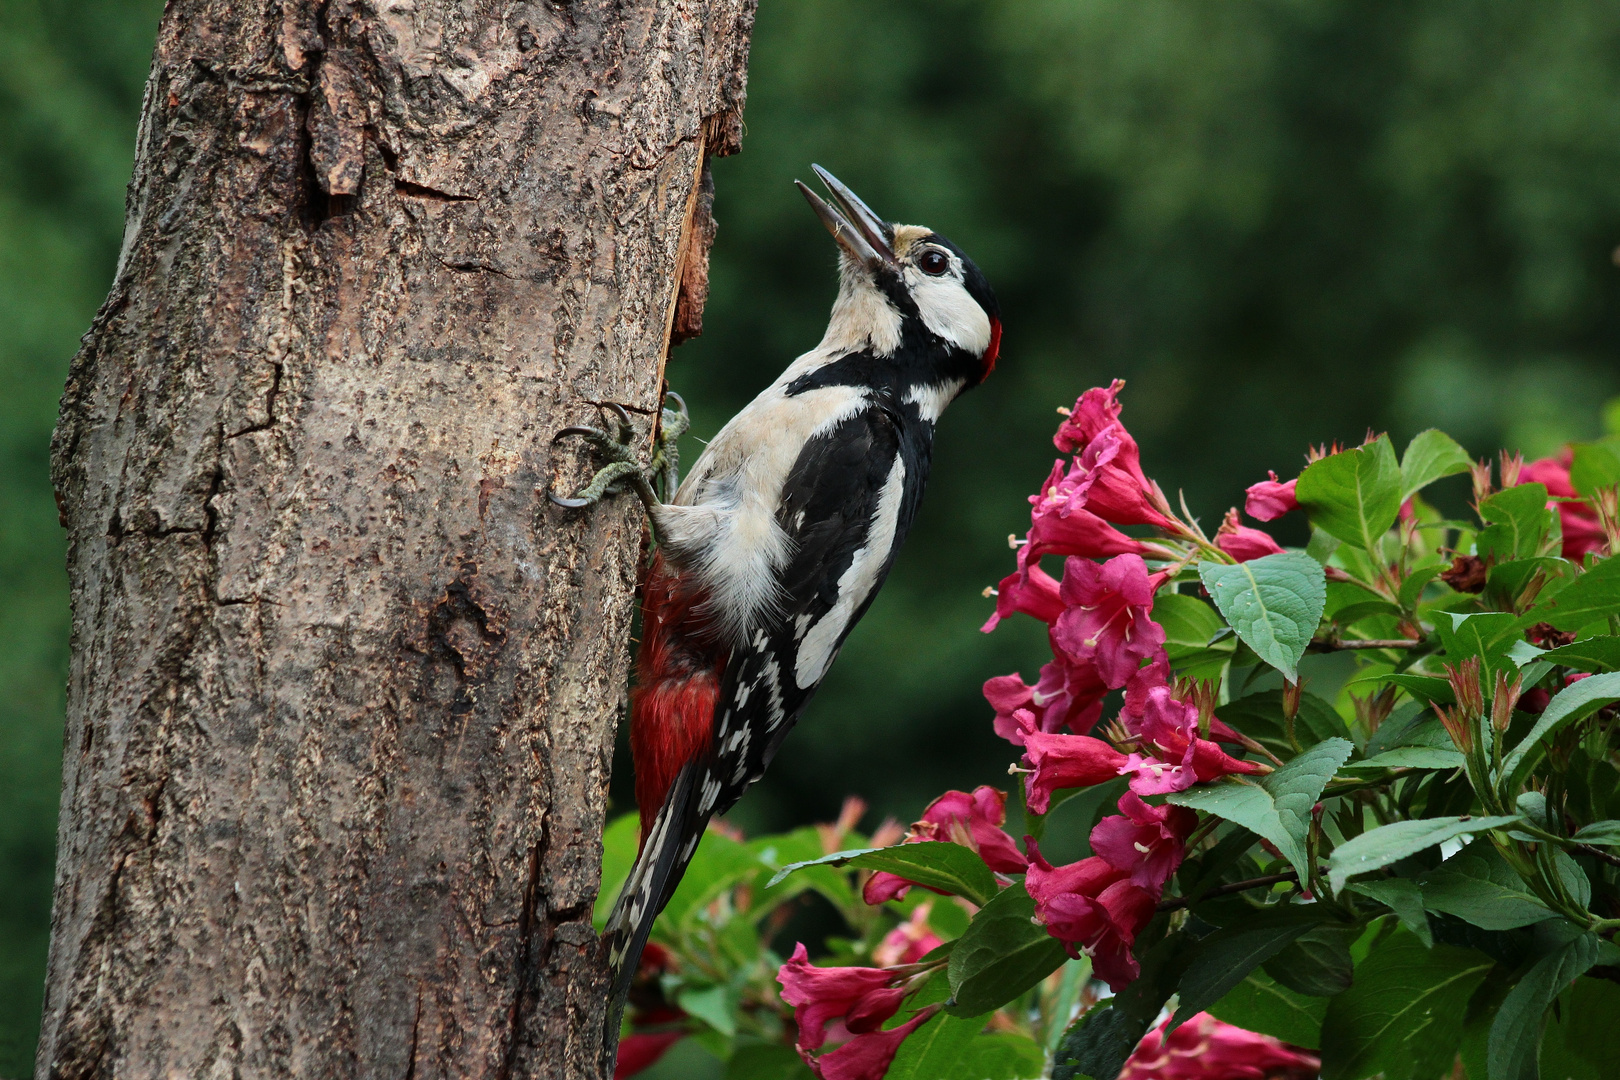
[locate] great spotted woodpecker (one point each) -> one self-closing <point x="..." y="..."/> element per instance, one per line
<point x="777" y="542"/>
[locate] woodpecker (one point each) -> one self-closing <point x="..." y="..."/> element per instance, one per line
<point x="777" y="542"/>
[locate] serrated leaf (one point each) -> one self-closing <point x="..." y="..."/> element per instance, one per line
<point x="1259" y="1004"/>
<point x="1516" y="1031"/>
<point x="936" y="864"/>
<point x="1517" y="522"/>
<point x="1317" y="963"/>
<point x="930" y="1052"/>
<point x="1404" y="1013"/>
<point x="1002" y="954"/>
<point x="1354" y="495"/>
<point x="1191" y="628"/>
<point x="1593" y="596"/>
<point x="1278" y="806"/>
<point x="1220" y="961"/>
<point x="1428" y="688"/>
<point x="1478" y="886"/>
<point x="1389" y="843"/>
<point x="1595" y="465"/>
<point x="1588" y="654"/>
<point x="1489" y="635"/>
<point x="1430" y="455"/>
<point x="1410" y="757"/>
<point x="1599" y="834"/>
<point x="1575" y="702"/>
<point x="1405" y="899"/>
<point x="1273" y="603"/>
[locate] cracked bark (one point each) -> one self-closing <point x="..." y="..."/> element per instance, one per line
<point x="343" y="687"/>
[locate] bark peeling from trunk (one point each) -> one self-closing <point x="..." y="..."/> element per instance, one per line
<point x="344" y="686"/>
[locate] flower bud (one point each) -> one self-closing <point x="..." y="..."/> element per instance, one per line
<point x="1506" y="696"/>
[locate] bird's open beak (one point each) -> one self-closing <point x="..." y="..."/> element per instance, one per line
<point x="858" y="231"/>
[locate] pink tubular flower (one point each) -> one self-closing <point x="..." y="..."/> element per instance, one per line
<point x="972" y="820"/>
<point x="1060" y="762"/>
<point x="1144" y="841"/>
<point x="860" y="996"/>
<point x="866" y="1056"/>
<point x="1242" y="542"/>
<point x="1169" y="728"/>
<point x="1270" y="499"/>
<point x="1107" y="622"/>
<point x="1091" y="906"/>
<point x="1032" y="591"/>
<point x="1118" y="489"/>
<point x="1205" y="1048"/>
<point x="1097" y="410"/>
<point x="1065" y="696"/>
<point x="1583" y="533"/>
<point x="910" y="941"/>
<point x="1061" y="524"/>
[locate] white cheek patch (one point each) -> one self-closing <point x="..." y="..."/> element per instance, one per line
<point x="855" y="584"/>
<point x="949" y="311"/>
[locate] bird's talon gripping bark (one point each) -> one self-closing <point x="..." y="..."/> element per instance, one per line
<point x="622" y="464"/>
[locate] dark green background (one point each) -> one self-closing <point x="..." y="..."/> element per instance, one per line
<point x="1283" y="222"/>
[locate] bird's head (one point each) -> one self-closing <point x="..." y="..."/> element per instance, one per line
<point x="907" y="292"/>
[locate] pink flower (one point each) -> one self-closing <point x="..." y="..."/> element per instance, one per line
<point x="910" y="941"/>
<point x="1269" y="499"/>
<point x="1032" y="591"/>
<point x="1061" y="524"/>
<point x="974" y="821"/>
<point x="1097" y="410"/>
<point x="1144" y="841"/>
<point x="1205" y="1048"/>
<point x="1091" y="906"/>
<point x="1118" y="489"/>
<point x="866" y="1056"/>
<point x="1242" y="542"/>
<point x="1169" y="727"/>
<point x="862" y="997"/>
<point x="1065" y="761"/>
<point x="1583" y="533"/>
<point x="1067" y="695"/>
<point x="1107" y="620"/>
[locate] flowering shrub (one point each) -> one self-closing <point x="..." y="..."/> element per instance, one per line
<point x="1350" y="810"/>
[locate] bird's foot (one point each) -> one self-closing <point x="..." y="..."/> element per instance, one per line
<point x="623" y="468"/>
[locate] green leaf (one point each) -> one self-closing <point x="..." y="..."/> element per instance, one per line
<point x="1403" y="1016"/>
<point x="1190" y="628"/>
<point x="998" y="1055"/>
<point x="1593" y="596"/>
<point x="1582" y="1041"/>
<point x="1354" y="495"/>
<point x="1478" y="886"/>
<point x="1402" y="897"/>
<point x="1411" y="757"/>
<point x="1411" y="725"/>
<point x="714" y="1004"/>
<point x="1278" y="806"/>
<point x="1318" y="962"/>
<point x="1588" y="654"/>
<point x="1220" y="961"/>
<point x="1518" y="522"/>
<point x="1489" y="635"/>
<point x="1259" y="1004"/>
<point x="766" y="1061"/>
<point x="931" y="1051"/>
<point x="1274" y="603"/>
<point x="1415" y="582"/>
<point x="1429" y="688"/>
<point x="1599" y="834"/>
<point x="1575" y="702"/>
<point x="1430" y="455"/>
<point x="1516" y="1031"/>
<point x="1389" y="843"/>
<point x="937" y="864"/>
<point x="1003" y="953"/>
<point x="1596" y="465"/>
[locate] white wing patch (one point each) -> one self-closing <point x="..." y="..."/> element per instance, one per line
<point x="855" y="584"/>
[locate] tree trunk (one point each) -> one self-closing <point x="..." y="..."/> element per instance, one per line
<point x="344" y="685"/>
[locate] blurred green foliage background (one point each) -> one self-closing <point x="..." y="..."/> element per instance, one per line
<point x="1283" y="221"/>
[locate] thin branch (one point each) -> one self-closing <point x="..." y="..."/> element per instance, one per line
<point x="1335" y="644"/>
<point x="1175" y="903"/>
<point x="1597" y="853"/>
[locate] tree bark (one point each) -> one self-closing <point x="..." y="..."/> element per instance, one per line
<point x="344" y="686"/>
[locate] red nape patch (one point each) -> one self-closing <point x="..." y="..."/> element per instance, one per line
<point x="990" y="354"/>
<point x="678" y="671"/>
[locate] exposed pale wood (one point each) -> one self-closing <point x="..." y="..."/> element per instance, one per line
<point x="343" y="687"/>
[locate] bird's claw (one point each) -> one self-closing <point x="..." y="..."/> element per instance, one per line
<point x="617" y="447"/>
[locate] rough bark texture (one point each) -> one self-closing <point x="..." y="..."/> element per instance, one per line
<point x="344" y="686"/>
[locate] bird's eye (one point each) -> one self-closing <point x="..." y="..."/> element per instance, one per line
<point x="934" y="262"/>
